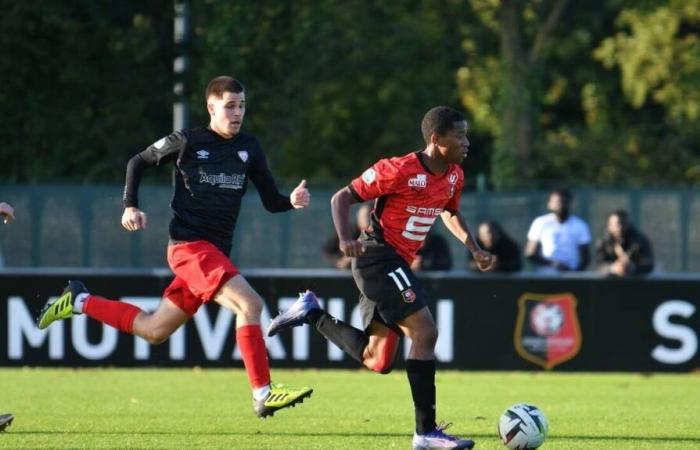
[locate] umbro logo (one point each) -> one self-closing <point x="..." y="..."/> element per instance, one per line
<point x="202" y="154"/>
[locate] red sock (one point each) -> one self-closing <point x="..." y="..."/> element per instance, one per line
<point x="254" y="353"/>
<point x="118" y="314"/>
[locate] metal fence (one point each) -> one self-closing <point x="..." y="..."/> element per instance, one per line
<point x="79" y="226"/>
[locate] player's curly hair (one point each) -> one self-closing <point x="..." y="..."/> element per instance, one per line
<point x="440" y="120"/>
<point x="219" y="85"/>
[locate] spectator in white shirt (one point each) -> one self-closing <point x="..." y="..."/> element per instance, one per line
<point x="558" y="241"/>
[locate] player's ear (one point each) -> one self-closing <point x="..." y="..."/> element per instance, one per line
<point x="210" y="107"/>
<point x="435" y="139"/>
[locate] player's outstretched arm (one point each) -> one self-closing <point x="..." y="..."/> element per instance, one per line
<point x="340" y="209"/>
<point x="7" y="212"/>
<point x="455" y="222"/>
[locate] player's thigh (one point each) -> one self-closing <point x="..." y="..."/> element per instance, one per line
<point x="419" y="326"/>
<point x="239" y="296"/>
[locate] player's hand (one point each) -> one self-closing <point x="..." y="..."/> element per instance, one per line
<point x="7" y="212"/>
<point x="484" y="260"/>
<point x="133" y="219"/>
<point x="300" y="196"/>
<point x="352" y="248"/>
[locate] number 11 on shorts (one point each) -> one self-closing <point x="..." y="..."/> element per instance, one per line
<point x="393" y="274"/>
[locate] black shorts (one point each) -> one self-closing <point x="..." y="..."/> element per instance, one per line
<point x="389" y="291"/>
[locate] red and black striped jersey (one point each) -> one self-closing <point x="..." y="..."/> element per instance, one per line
<point x="409" y="199"/>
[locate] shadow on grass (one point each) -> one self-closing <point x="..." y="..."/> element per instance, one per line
<point x="341" y="434"/>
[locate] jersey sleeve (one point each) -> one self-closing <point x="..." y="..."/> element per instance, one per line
<point x="535" y="231"/>
<point x="453" y="203"/>
<point x="163" y="150"/>
<point x="584" y="234"/>
<point x="380" y="179"/>
<point x="261" y="176"/>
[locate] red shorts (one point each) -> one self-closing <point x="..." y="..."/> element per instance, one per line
<point x="200" y="270"/>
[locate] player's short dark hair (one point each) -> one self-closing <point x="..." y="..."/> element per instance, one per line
<point x="219" y="85"/>
<point x="440" y="120"/>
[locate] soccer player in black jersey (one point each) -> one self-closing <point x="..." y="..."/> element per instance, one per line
<point x="212" y="168"/>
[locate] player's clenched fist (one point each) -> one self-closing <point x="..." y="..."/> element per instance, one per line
<point x="133" y="219"/>
<point x="485" y="260"/>
<point x="352" y="248"/>
<point x="300" y="196"/>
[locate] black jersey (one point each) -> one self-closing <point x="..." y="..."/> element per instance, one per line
<point x="210" y="178"/>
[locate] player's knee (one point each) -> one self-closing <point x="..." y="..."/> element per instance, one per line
<point x="157" y="336"/>
<point x="426" y="337"/>
<point x="250" y="307"/>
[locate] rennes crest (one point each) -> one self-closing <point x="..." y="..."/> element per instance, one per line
<point x="547" y="331"/>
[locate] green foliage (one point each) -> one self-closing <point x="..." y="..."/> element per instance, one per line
<point x="332" y="87"/>
<point x="556" y="91"/>
<point x="85" y="84"/>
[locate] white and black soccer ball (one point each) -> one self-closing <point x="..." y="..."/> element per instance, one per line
<point x="523" y="427"/>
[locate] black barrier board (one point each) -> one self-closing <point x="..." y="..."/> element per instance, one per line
<point x="485" y="323"/>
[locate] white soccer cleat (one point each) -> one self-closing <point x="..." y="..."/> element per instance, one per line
<point x="439" y="440"/>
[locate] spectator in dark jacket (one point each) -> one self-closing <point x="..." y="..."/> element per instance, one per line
<point x="624" y="250"/>
<point x="331" y="248"/>
<point x="493" y="239"/>
<point x="434" y="254"/>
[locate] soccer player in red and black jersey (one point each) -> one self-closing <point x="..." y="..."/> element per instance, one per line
<point x="410" y="193"/>
<point x="212" y="168"/>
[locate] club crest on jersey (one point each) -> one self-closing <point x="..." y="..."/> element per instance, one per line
<point x="202" y="154"/>
<point x="369" y="175"/>
<point x="547" y="330"/>
<point x="243" y="154"/>
<point x="453" y="178"/>
<point x="408" y="295"/>
<point x="420" y="181"/>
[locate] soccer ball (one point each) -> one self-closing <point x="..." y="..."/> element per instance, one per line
<point x="523" y="427"/>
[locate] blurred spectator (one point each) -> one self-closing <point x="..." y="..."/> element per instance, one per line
<point x="331" y="248"/>
<point x="434" y="254"/>
<point x="623" y="250"/>
<point x="492" y="238"/>
<point x="558" y="241"/>
<point x="7" y="213"/>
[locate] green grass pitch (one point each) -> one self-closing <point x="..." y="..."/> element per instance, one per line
<point x="192" y="408"/>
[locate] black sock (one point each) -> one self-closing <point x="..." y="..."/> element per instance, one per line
<point x="421" y="377"/>
<point x="351" y="340"/>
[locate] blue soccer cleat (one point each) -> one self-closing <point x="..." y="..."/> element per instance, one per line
<point x="296" y="315"/>
<point x="439" y="440"/>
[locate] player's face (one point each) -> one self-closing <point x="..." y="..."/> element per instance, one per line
<point x="455" y="144"/>
<point x="226" y="113"/>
